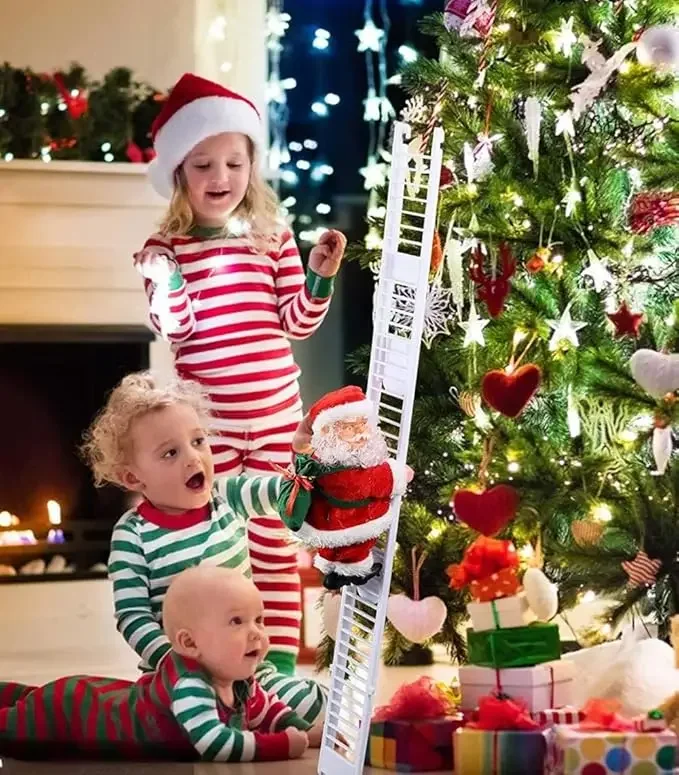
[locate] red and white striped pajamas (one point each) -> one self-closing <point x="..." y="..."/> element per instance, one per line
<point x="234" y="312"/>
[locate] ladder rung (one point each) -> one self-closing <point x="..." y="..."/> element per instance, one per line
<point x="358" y="666"/>
<point x="371" y="597"/>
<point x="335" y="739"/>
<point x="390" y="436"/>
<point x="413" y="214"/>
<point x="412" y="228"/>
<point x="390" y="422"/>
<point x="410" y="242"/>
<point x="390" y="408"/>
<point x="338" y="717"/>
<point x="391" y="395"/>
<point x="414" y="199"/>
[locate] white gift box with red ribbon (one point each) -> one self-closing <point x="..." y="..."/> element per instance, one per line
<point x="542" y="687"/>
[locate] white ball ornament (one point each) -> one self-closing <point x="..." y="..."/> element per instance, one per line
<point x="541" y="594"/>
<point x="658" y="47"/>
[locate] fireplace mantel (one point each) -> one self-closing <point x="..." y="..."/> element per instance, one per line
<point x="68" y="230"/>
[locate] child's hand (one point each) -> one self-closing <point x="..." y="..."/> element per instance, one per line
<point x="315" y="735"/>
<point x="409" y="474"/>
<point x="326" y="256"/>
<point x="155" y="264"/>
<point x="301" y="441"/>
<point x="298" y="742"/>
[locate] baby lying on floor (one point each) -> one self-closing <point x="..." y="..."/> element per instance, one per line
<point x="201" y="702"/>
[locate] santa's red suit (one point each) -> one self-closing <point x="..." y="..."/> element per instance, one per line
<point x="349" y="507"/>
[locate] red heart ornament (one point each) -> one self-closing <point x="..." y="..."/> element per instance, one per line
<point x="510" y="393"/>
<point x="488" y="511"/>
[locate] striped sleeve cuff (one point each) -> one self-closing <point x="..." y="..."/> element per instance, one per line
<point x="176" y="280"/>
<point x="319" y="287"/>
<point x="292" y="720"/>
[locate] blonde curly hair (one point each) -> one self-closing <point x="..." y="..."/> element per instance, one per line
<point x="106" y="446"/>
<point x="260" y="208"/>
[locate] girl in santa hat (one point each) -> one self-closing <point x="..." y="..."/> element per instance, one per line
<point x="227" y="288"/>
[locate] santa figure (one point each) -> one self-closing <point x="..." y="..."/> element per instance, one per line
<point x="337" y="500"/>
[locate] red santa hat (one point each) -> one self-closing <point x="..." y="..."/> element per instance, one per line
<point x="196" y="109"/>
<point x="343" y="404"/>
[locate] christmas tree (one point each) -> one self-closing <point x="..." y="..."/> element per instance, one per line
<point x="555" y="264"/>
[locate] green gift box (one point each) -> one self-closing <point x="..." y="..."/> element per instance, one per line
<point x="515" y="646"/>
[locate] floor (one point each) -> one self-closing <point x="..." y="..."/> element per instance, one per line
<point x="390" y="680"/>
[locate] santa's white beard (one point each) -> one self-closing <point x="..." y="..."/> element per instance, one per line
<point x="329" y="449"/>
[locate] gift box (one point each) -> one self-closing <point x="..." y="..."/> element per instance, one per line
<point x="413" y="746"/>
<point x="500" y="614"/>
<point x="501" y="584"/>
<point x="499" y="752"/>
<point x="515" y="647"/>
<point x="541" y="687"/>
<point x="573" y="751"/>
<point x="414" y="733"/>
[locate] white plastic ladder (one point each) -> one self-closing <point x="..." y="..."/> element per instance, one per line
<point x="400" y="303"/>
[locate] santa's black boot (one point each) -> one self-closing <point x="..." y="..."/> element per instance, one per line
<point x="360" y="580"/>
<point x="333" y="581"/>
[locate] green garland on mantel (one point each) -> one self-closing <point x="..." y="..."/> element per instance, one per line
<point x="67" y="115"/>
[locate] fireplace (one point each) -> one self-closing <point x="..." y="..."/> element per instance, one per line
<point x="53" y="379"/>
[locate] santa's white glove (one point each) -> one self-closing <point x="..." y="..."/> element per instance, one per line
<point x="402" y="474"/>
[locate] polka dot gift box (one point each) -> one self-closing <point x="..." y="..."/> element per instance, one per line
<point x="576" y="752"/>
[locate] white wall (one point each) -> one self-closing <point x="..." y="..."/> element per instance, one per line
<point x="158" y="39"/>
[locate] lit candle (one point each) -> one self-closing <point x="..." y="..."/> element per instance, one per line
<point x="5" y="519"/>
<point x="54" y="512"/>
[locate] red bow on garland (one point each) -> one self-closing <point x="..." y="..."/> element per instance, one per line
<point x="76" y="104"/>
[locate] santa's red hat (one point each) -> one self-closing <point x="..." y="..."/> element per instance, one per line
<point x="194" y="110"/>
<point x="343" y="404"/>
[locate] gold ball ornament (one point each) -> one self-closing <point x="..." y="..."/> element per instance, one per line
<point x="586" y="533"/>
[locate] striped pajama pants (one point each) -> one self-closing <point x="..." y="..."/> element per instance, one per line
<point x="251" y="448"/>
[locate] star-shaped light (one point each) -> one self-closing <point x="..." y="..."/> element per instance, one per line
<point x="371" y="106"/>
<point x="626" y="322"/>
<point x="565" y="38"/>
<point x="564" y="329"/>
<point x="473" y="328"/>
<point x="375" y="173"/>
<point x="277" y="23"/>
<point x="377" y="108"/>
<point x="370" y="37"/>
<point x="601" y="277"/>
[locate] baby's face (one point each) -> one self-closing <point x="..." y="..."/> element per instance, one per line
<point x="171" y="463"/>
<point x="231" y="640"/>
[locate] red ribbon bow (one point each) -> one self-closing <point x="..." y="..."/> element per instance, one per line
<point x="499" y="713"/>
<point x="604" y="715"/>
<point x="481" y="559"/>
<point x="417" y="701"/>
<point x="298" y="481"/>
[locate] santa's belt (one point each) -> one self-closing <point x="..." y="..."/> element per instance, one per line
<point x="342" y="504"/>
